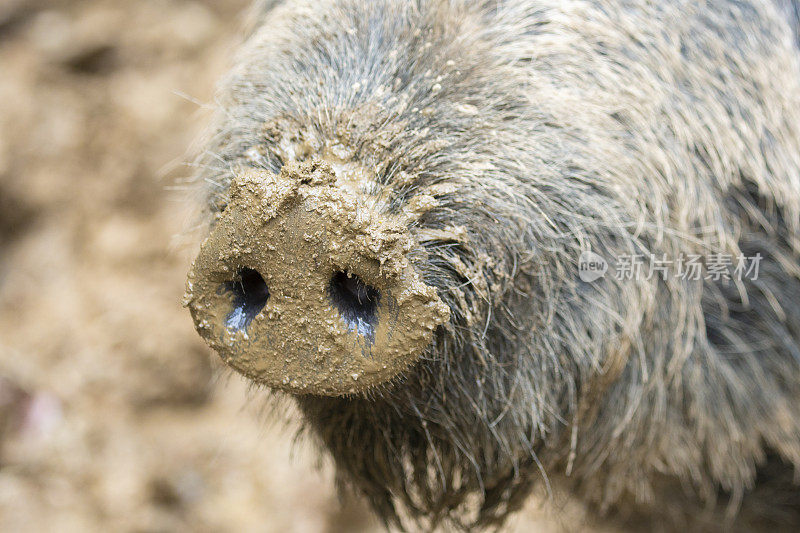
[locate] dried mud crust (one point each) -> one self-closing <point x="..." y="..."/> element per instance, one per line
<point x="303" y="232"/>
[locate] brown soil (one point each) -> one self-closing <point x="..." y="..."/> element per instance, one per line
<point x="113" y="412"/>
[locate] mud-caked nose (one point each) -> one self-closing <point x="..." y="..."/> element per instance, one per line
<point x="304" y="287"/>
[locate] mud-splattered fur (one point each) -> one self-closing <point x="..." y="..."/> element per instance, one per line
<point x="544" y="128"/>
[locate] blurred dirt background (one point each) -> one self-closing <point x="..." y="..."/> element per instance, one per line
<point x="113" y="413"/>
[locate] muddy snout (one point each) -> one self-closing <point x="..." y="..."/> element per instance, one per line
<point x="304" y="286"/>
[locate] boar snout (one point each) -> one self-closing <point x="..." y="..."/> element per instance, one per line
<point x="305" y="286"/>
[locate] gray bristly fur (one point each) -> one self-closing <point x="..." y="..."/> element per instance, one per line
<point x="791" y="9"/>
<point x="545" y="128"/>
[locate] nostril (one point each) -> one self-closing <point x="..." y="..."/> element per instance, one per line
<point x="250" y="295"/>
<point x="357" y="302"/>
